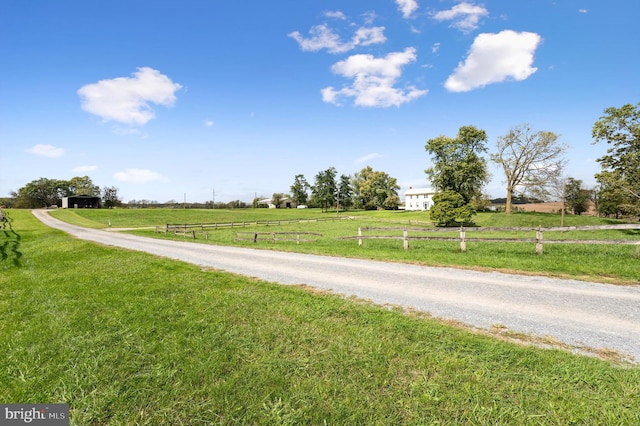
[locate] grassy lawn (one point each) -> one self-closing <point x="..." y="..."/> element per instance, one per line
<point x="128" y="338"/>
<point x="617" y="264"/>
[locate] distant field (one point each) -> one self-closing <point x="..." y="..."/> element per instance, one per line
<point x="603" y="263"/>
<point x="126" y="338"/>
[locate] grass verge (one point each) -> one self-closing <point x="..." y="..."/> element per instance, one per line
<point x="128" y="338"/>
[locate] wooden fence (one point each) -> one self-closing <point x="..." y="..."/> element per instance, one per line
<point x="538" y="240"/>
<point x="276" y="236"/>
<point x="225" y="225"/>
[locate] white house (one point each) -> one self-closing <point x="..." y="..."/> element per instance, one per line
<point x="418" y="198"/>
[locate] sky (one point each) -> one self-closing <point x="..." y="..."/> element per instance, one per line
<point x="203" y="100"/>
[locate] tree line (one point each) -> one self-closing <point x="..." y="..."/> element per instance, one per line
<point x="533" y="165"/>
<point x="367" y="189"/>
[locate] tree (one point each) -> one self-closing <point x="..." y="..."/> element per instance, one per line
<point x="532" y="162"/>
<point x="83" y="185"/>
<point x="323" y="190"/>
<point x="376" y="189"/>
<point x="345" y="192"/>
<point x="457" y="163"/>
<point x="613" y="199"/>
<point x="277" y="199"/>
<point x="110" y="197"/>
<point x="620" y="127"/>
<point x="299" y="190"/>
<point x="576" y="198"/>
<point x="42" y="192"/>
<point x="449" y="208"/>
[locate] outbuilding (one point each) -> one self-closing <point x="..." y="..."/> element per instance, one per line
<point x="81" y="202"/>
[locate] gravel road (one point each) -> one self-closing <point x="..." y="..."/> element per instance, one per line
<point x="586" y="316"/>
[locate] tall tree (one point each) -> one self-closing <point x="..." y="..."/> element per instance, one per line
<point x="457" y="163"/>
<point x="345" y="192"/>
<point x="299" y="190"/>
<point x="576" y="197"/>
<point x="110" y="197"/>
<point x="376" y="189"/>
<point x="532" y="162"/>
<point x="83" y="185"/>
<point x="323" y="190"/>
<point x="42" y="192"/>
<point x="277" y="199"/>
<point x="620" y="128"/>
<point x="613" y="198"/>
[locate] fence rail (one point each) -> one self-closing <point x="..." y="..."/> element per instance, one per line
<point x="275" y="236"/>
<point x="538" y="240"/>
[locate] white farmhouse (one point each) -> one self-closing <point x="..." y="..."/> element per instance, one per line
<point x="418" y="198"/>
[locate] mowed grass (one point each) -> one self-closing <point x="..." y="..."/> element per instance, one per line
<point x="128" y="338"/>
<point x="616" y="264"/>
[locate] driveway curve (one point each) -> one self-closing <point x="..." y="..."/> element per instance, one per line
<point x="586" y="316"/>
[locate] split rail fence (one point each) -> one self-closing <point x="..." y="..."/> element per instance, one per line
<point x="463" y="239"/>
<point x="276" y="236"/>
<point x="192" y="229"/>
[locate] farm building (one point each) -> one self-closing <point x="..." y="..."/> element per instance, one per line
<point x="81" y="202"/>
<point x="418" y="198"/>
<point x="286" y="202"/>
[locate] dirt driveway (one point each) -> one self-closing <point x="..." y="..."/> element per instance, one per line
<point x="586" y="316"/>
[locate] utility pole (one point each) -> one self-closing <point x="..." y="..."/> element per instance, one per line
<point x="564" y="184"/>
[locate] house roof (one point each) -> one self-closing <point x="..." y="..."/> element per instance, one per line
<point x="418" y="191"/>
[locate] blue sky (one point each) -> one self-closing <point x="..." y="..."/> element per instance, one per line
<point x="165" y="98"/>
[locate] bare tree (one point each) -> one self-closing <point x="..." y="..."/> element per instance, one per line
<point x="532" y="162"/>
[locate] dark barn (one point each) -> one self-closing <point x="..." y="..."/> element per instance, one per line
<point x="81" y="202"/>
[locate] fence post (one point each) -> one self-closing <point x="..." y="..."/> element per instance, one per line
<point x="273" y="237"/>
<point x="255" y="237"/>
<point x="359" y="236"/>
<point x="463" y="243"/>
<point x="539" y="248"/>
<point x="405" y="235"/>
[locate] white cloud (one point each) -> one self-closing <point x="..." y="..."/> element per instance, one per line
<point x="127" y="99"/>
<point x="374" y="80"/>
<point x="46" y="151"/>
<point x="435" y="48"/>
<point x="209" y="123"/>
<point x="369" y="17"/>
<point x="323" y="37"/>
<point x="335" y="14"/>
<point x="407" y="7"/>
<point x="366" y="158"/>
<point x="583" y="10"/>
<point x="84" y="169"/>
<point x="465" y="16"/>
<point x="138" y="176"/>
<point x="494" y="58"/>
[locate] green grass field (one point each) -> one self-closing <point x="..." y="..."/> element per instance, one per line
<point x="127" y="338"/>
<point x="617" y="264"/>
